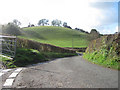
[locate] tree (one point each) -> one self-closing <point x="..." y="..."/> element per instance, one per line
<point x="64" y="24"/>
<point x="43" y="22"/>
<point x="53" y="22"/>
<point x="1" y="28"/>
<point x="31" y="25"/>
<point x="94" y="31"/>
<point x="94" y="34"/>
<point x="11" y="29"/>
<point x="81" y="30"/>
<point x="56" y="22"/>
<point x="68" y="27"/>
<point x="77" y="28"/>
<point x="16" y="22"/>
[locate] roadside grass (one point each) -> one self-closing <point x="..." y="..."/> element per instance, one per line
<point x="7" y="62"/>
<point x="30" y="56"/>
<point x="103" y="59"/>
<point x="58" y="36"/>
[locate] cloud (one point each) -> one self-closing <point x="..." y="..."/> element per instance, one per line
<point x="108" y="16"/>
<point x="102" y="5"/>
<point x="105" y="31"/>
<point x="108" y="10"/>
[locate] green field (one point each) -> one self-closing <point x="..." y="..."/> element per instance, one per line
<point x="58" y="36"/>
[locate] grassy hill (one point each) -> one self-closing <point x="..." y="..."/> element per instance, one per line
<point x="58" y="36"/>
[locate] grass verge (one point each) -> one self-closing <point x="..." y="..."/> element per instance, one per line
<point x="103" y="60"/>
<point x="30" y="56"/>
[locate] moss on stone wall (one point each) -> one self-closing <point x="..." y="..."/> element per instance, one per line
<point x="105" y="51"/>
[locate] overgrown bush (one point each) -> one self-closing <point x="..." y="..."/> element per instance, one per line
<point x="94" y="34"/>
<point x="30" y="56"/>
<point x="105" y="51"/>
<point x="11" y="29"/>
<point x="103" y="58"/>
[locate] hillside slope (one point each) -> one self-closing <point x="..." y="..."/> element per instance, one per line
<point x="58" y="36"/>
<point x="105" y="51"/>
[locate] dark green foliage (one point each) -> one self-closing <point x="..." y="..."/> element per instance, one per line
<point x="27" y="56"/>
<point x="7" y="62"/>
<point x="30" y="56"/>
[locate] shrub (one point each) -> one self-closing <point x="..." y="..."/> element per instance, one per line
<point x="11" y="29"/>
<point x="30" y="56"/>
<point x="94" y="34"/>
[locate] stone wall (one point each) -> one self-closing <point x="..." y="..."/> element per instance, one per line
<point x="24" y="43"/>
<point x="108" y="41"/>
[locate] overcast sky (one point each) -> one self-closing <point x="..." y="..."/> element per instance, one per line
<point x="85" y="14"/>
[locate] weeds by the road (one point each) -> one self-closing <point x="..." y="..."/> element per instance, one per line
<point x="103" y="59"/>
<point x="30" y="56"/>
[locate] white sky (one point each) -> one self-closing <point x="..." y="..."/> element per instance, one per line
<point x="77" y="13"/>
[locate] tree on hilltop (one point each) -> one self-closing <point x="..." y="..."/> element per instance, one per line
<point x="43" y="22"/>
<point x="31" y="25"/>
<point x="64" y="24"/>
<point x="56" y="22"/>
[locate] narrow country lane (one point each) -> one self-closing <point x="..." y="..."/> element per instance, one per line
<point x="71" y="72"/>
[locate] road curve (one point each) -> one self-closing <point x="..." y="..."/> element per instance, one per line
<point x="71" y="72"/>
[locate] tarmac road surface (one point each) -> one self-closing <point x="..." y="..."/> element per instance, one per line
<point x="70" y="72"/>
